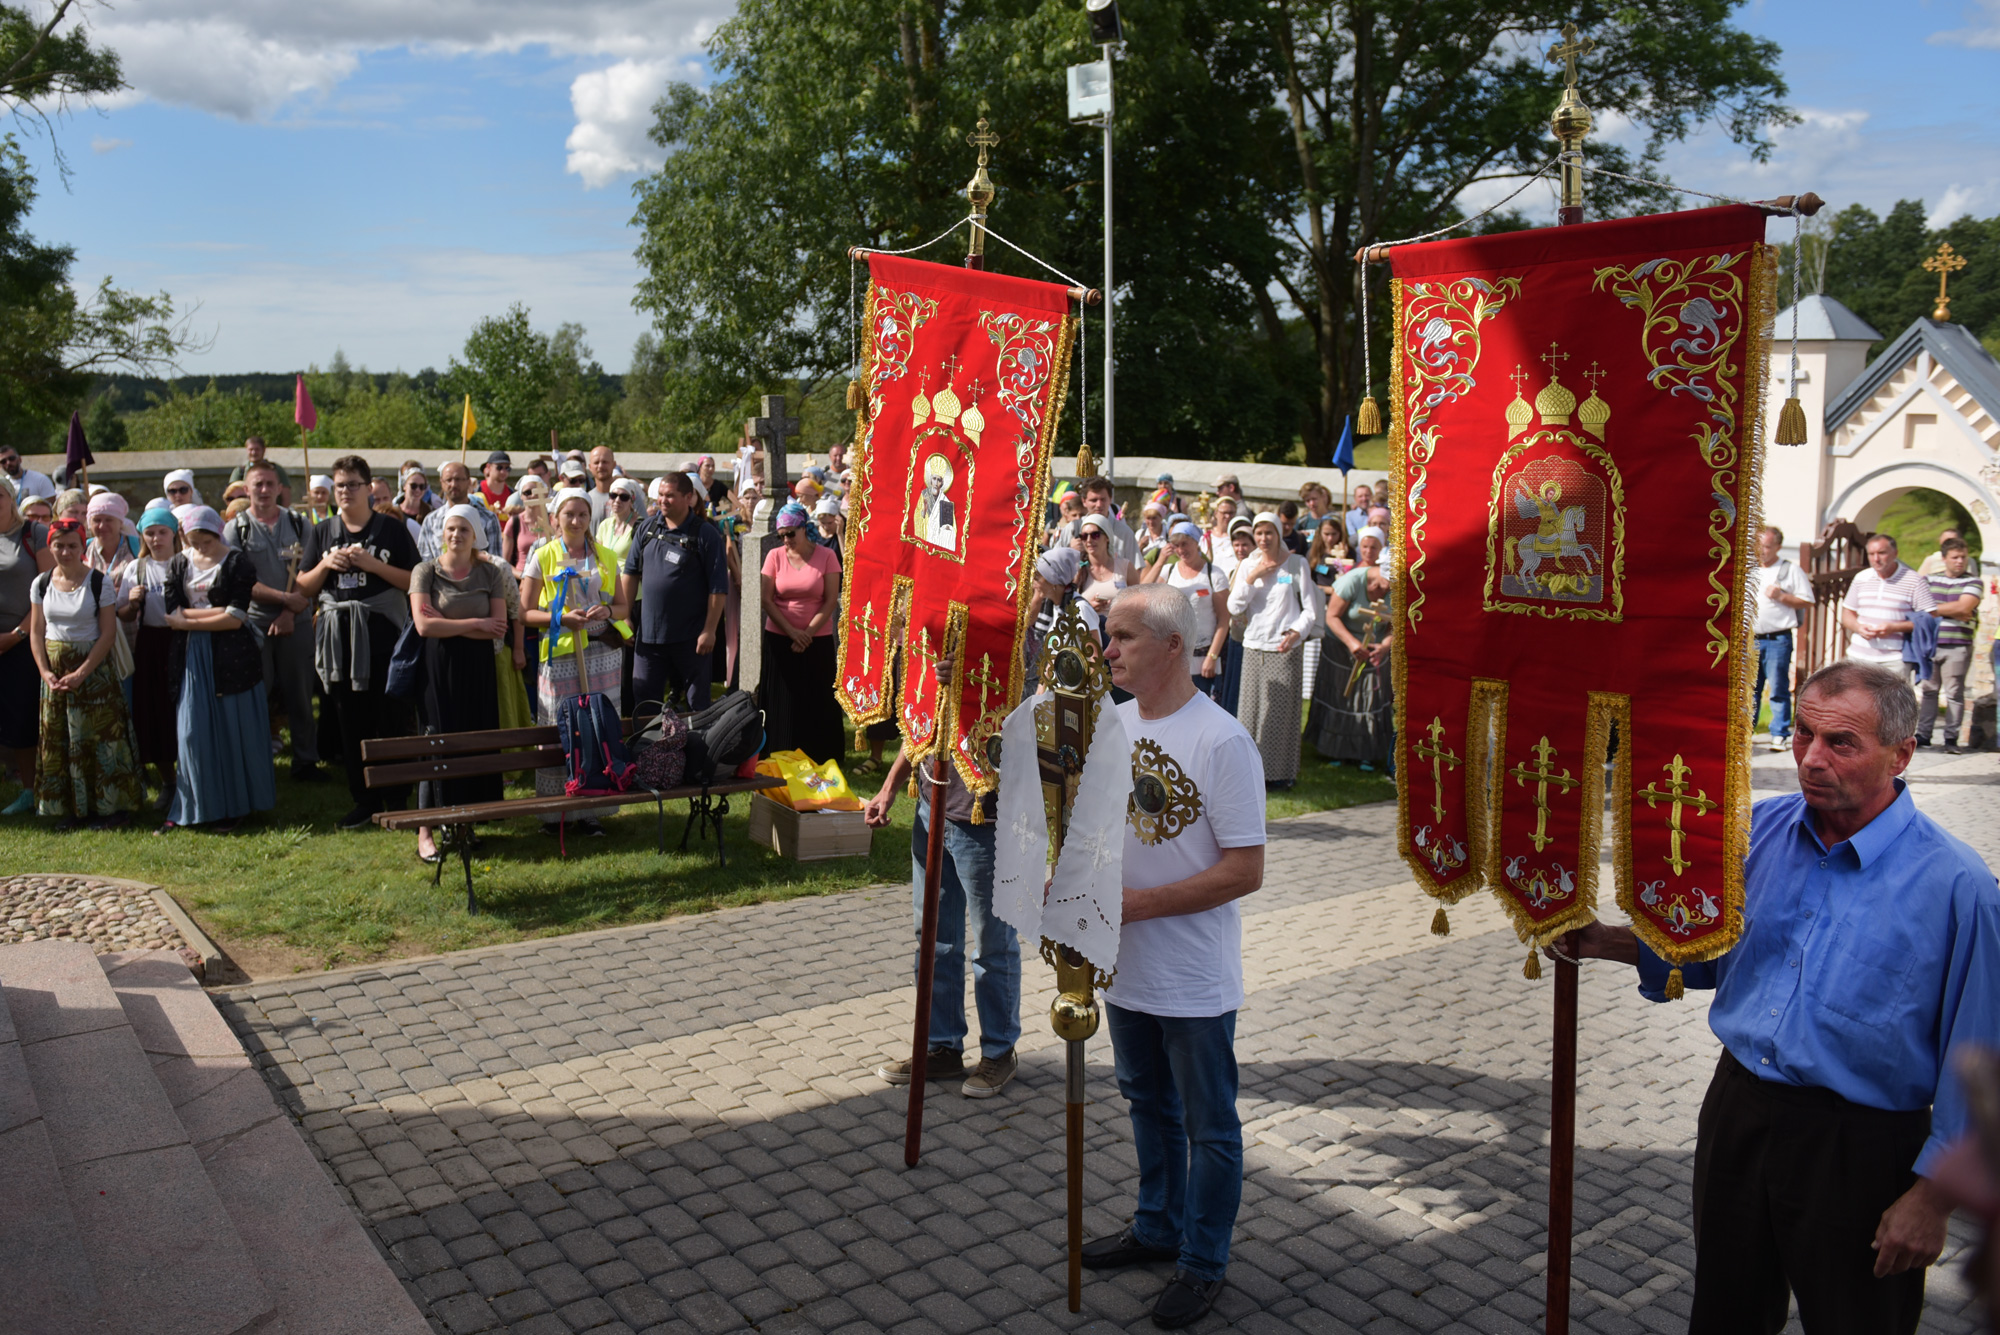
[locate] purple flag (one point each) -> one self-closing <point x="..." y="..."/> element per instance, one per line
<point x="78" y="449"/>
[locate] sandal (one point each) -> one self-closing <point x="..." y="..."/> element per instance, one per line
<point x="432" y="858"/>
<point x="166" y="827"/>
<point x="868" y="766"/>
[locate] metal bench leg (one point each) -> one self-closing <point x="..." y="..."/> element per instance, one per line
<point x="465" y="857"/>
<point x="721" y="810"/>
<point x="661" y="804"/>
<point x="437" y="868"/>
<point x="697" y="806"/>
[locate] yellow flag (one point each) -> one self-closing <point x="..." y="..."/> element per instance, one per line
<point x="471" y="423"/>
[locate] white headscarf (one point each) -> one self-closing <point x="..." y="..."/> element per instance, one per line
<point x="323" y="482"/>
<point x="472" y="515"/>
<point x="182" y="475"/>
<point x="568" y="494"/>
<point x="194" y="517"/>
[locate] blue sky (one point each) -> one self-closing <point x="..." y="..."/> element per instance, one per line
<point x="375" y="175"/>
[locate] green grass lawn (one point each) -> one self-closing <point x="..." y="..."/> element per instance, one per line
<point x="291" y="892"/>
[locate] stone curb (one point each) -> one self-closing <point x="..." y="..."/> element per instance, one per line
<point x="211" y="955"/>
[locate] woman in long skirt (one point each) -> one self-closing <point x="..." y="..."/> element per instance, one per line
<point x="152" y="651"/>
<point x="459" y="604"/>
<point x="85" y="769"/>
<point x="801" y="590"/>
<point x="222" y="717"/>
<point x="1229" y="686"/>
<point x="1274" y="594"/>
<point x="581" y="576"/>
<point x="1357" y="725"/>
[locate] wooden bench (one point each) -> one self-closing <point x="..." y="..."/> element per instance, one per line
<point x="393" y="761"/>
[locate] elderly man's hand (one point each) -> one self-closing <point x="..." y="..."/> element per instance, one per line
<point x="944" y="667"/>
<point x="1911" y="1234"/>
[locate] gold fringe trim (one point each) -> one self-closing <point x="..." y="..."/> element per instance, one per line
<point x="1368" y="420"/>
<point x="1674" y="990"/>
<point x="978" y="813"/>
<point x="1440" y="925"/>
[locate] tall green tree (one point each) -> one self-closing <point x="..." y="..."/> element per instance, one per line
<point x="1874" y="266"/>
<point x="1258" y="144"/>
<point x="524" y="383"/>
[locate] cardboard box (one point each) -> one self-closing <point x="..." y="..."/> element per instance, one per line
<point x="808" y="836"/>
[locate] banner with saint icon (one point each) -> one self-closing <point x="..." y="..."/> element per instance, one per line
<point x="1577" y="437"/>
<point x="963" y="378"/>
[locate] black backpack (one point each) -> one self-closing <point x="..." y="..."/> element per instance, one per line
<point x="722" y="737"/>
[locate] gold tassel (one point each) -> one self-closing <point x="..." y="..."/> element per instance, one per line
<point x="978" y="813"/>
<point x="1440" y="925"/>
<point x="1791" y="424"/>
<point x="1532" y="970"/>
<point x="913" y="782"/>
<point x="855" y="398"/>
<point x="1368" y="421"/>
<point x="1674" y="990"/>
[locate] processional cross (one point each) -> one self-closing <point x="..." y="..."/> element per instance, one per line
<point x="1543" y="775"/>
<point x="1568" y="50"/>
<point x="1677" y="793"/>
<point x="1440" y="756"/>
<point x="1944" y="264"/>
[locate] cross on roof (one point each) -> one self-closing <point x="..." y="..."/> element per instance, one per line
<point x="1595" y="374"/>
<point x="950" y="365"/>
<point x="1517" y="377"/>
<point x="1944" y="264"/>
<point x="1568" y="50"/>
<point x="1552" y="357"/>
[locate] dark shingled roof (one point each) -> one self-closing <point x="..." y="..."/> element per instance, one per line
<point x="1952" y="346"/>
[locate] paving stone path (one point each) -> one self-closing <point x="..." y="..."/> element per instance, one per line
<point x="675" y="1128"/>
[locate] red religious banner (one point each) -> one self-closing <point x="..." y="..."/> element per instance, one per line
<point x="1579" y="417"/>
<point x="964" y="374"/>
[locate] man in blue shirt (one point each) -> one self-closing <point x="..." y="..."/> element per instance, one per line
<point x="677" y="559"/>
<point x="1870" y="950"/>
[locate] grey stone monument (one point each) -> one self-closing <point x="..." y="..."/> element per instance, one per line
<point x="772" y="429"/>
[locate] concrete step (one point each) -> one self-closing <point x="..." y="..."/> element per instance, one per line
<point x="43" y="1272"/>
<point x="159" y="1243"/>
<point x="322" y="1272"/>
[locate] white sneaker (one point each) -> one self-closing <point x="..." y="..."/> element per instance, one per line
<point x="1781" y="743"/>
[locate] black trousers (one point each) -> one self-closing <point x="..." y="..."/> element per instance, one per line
<point x="672" y="674"/>
<point x="1789" y="1186"/>
<point x="356" y="716"/>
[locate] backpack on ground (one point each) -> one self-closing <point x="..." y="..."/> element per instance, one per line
<point x="723" y="738"/>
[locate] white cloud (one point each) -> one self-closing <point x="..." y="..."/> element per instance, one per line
<point x="614" y="109"/>
<point x="99" y="144"/>
<point x="1957" y="201"/>
<point x="1982" y="30"/>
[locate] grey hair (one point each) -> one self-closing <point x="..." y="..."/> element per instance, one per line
<point x="1895" y="702"/>
<point x="1163" y="610"/>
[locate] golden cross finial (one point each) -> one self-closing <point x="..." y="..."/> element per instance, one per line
<point x="1568" y="50"/>
<point x="1677" y="793"/>
<point x="1543" y="774"/>
<point x="950" y="365"/>
<point x="1518" y="377"/>
<point x="1944" y="264"/>
<point x="1552" y="357"/>
<point x="982" y="139"/>
<point x="1440" y="756"/>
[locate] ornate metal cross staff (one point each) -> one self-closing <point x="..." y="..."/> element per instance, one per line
<point x="1678" y="795"/>
<point x="1543" y="775"/>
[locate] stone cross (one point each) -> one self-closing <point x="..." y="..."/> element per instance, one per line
<point x="1678" y="795"/>
<point x="772" y="429"/>
<point x="1543" y="774"/>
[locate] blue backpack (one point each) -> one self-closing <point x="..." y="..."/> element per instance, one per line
<point x="591" y="734"/>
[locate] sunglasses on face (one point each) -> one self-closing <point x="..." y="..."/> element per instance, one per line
<point x="182" y="489"/>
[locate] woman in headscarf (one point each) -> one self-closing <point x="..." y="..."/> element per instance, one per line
<point x="1152" y="534"/>
<point x="623" y="509"/>
<point x="152" y="649"/>
<point x="114" y="543"/>
<point x="581" y="576"/>
<point x="1236" y="549"/>
<point x="1056" y="572"/>
<point x="180" y="489"/>
<point x="221" y="715"/>
<point x="459" y="603"/>
<point x="24" y="554"/>
<point x="319" y="496"/>
<point x="528" y="526"/>
<point x="1356" y="724"/>
<point x="1184" y="567"/>
<point x="1272" y="590"/>
<point x="1103" y="573"/>
<point x="85" y="768"/>
<point x="801" y="590"/>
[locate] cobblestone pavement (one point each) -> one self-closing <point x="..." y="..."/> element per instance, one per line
<point x="675" y="1127"/>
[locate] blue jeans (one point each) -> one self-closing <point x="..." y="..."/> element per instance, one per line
<point x="1774" y="665"/>
<point x="1179" y="1076"/>
<point x="965" y="895"/>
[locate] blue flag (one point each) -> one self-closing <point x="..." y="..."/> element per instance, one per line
<point x="1343" y="453"/>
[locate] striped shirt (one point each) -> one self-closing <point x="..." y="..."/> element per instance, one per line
<point x="1944" y="589"/>
<point x="1878" y="601"/>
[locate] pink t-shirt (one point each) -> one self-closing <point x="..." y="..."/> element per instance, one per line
<point x="800" y="588"/>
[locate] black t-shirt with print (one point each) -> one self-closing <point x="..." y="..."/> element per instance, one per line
<point x="386" y="539"/>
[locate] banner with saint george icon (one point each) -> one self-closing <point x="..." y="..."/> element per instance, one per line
<point x="963" y="374"/>
<point x="1576" y="444"/>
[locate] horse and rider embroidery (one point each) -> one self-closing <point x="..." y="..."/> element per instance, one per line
<point x="1557" y="560"/>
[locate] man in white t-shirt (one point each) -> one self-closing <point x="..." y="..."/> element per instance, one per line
<point x="1881" y="605"/>
<point x="1194" y="845"/>
<point x="1783" y="591"/>
<point x="28" y="484"/>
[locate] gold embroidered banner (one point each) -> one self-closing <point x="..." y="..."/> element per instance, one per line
<point x="1576" y="447"/>
<point x="964" y="374"/>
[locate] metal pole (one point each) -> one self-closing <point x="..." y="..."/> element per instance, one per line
<point x="920" y="1047"/>
<point x="1074" y="1097"/>
<point x="1562" y="1146"/>
<point x="1110" y="419"/>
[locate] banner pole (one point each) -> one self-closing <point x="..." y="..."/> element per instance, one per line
<point x="920" y="1047"/>
<point x="305" y="453"/>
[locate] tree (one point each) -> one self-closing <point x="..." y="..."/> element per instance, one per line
<point x="525" y="384"/>
<point x="1874" y="267"/>
<point x="1258" y="146"/>
<point x="43" y="66"/>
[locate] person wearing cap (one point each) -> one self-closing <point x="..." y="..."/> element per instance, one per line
<point x="458" y="601"/>
<point x="1164" y="493"/>
<point x="1215" y="542"/>
<point x="357" y="564"/>
<point x="221" y="717"/>
<point x="456" y="479"/>
<point x="254" y="453"/>
<point x="1226" y="484"/>
<point x="1183" y="566"/>
<point x="85" y="769"/>
<point x="827" y="524"/>
<point x="1358" y="724"/>
<point x="676" y="573"/>
<point x="271" y="537"/>
<point x="801" y="592"/>
<point x="1273" y="591"/>
<point x="494" y="483"/>
<point x="1152" y="534"/>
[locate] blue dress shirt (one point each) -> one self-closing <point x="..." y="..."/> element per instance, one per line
<point x="1861" y="966"/>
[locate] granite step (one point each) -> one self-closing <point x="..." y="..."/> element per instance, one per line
<point x="43" y="1272"/>
<point x="322" y="1272"/>
<point x="160" y="1246"/>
